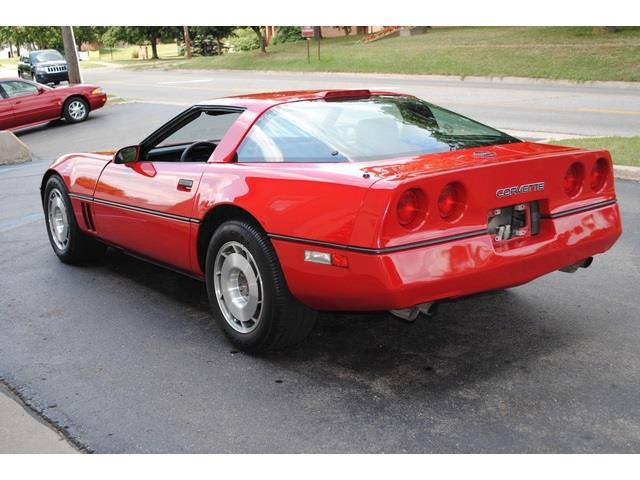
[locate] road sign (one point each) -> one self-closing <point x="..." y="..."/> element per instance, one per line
<point x="307" y="32"/>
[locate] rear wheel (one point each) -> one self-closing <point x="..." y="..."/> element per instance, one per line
<point x="69" y="243"/>
<point x="247" y="292"/>
<point x="75" y="110"/>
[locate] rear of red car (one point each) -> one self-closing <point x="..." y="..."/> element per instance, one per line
<point x="449" y="224"/>
<point x="458" y="232"/>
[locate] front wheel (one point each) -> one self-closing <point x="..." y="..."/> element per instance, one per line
<point x="69" y="243"/>
<point x="75" y="110"/>
<point x="247" y="291"/>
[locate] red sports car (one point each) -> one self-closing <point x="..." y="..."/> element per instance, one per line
<point x="288" y="203"/>
<point x="25" y="104"/>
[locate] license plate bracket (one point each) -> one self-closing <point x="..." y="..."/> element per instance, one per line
<point x="514" y="221"/>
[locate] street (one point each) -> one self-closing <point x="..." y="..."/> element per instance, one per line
<point x="548" y="107"/>
<point x="124" y="357"/>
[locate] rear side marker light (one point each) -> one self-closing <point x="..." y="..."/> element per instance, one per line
<point x="338" y="260"/>
<point x="599" y="174"/>
<point x="325" y="258"/>
<point x="574" y="179"/>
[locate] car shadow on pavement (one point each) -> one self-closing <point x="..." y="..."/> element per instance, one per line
<point x="468" y="340"/>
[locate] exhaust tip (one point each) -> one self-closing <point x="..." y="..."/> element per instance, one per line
<point x="581" y="264"/>
<point x="411" y="314"/>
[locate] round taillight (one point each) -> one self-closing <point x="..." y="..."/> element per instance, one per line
<point x="599" y="174"/>
<point x="408" y="208"/>
<point x="451" y="201"/>
<point x="573" y="179"/>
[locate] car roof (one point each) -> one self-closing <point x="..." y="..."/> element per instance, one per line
<point x="264" y="100"/>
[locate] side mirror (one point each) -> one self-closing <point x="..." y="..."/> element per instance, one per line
<point x="128" y="154"/>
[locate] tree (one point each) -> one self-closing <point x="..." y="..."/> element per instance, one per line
<point x="215" y="33"/>
<point x="32" y="37"/>
<point x="187" y="42"/>
<point x="88" y="35"/>
<point x="261" y="41"/>
<point x="141" y="35"/>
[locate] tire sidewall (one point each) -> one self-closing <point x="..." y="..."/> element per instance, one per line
<point x="238" y="231"/>
<point x="55" y="182"/>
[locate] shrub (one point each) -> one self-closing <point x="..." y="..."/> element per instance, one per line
<point x="244" y="39"/>
<point x="287" y="34"/>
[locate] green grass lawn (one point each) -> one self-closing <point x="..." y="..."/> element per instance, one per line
<point x="624" y="150"/>
<point x="9" y="61"/>
<point x="574" y="53"/>
<point x="125" y="54"/>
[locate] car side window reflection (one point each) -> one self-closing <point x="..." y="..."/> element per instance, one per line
<point x="16" y="88"/>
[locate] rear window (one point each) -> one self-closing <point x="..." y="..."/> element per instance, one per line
<point x="374" y="128"/>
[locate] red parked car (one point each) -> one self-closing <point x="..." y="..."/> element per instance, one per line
<point x="25" y="104"/>
<point x="293" y="202"/>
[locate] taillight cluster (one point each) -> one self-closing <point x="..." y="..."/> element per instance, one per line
<point x="411" y="209"/>
<point x="574" y="179"/>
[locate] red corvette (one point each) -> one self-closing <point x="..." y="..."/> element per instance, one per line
<point x="26" y="104"/>
<point x="287" y="203"/>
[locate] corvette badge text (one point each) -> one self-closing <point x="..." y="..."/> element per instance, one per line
<point x="526" y="188"/>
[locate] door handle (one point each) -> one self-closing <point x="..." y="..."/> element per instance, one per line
<point x="185" y="184"/>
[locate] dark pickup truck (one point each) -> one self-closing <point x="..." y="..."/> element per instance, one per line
<point x="43" y="66"/>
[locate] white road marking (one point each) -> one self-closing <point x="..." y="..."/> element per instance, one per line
<point x="197" y="80"/>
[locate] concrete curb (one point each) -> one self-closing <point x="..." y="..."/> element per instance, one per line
<point x="626" y="172"/>
<point x="12" y="150"/>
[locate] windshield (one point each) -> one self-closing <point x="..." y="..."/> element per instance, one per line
<point x="375" y="128"/>
<point x="46" y="56"/>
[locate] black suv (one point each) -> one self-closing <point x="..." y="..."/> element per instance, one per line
<point x="43" y="66"/>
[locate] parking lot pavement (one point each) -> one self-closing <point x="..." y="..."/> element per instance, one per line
<point x="123" y="356"/>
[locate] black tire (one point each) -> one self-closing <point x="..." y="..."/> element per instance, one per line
<point x="283" y="320"/>
<point x="79" y="246"/>
<point x="67" y="110"/>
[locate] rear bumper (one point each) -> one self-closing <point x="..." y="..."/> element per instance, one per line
<point x="448" y="270"/>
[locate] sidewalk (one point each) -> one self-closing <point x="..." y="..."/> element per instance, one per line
<point x="22" y="432"/>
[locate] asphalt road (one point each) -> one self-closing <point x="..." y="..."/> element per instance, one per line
<point x="123" y="356"/>
<point x="537" y="107"/>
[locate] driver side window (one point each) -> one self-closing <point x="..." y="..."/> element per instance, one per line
<point x="209" y="126"/>
<point x="186" y="143"/>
